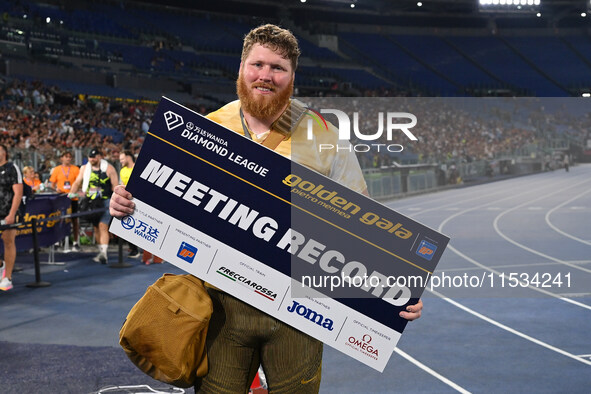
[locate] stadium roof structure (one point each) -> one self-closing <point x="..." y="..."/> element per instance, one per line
<point x="550" y="14"/>
<point x="444" y="47"/>
<point x="554" y="9"/>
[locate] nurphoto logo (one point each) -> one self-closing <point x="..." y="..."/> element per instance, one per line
<point x="388" y="124"/>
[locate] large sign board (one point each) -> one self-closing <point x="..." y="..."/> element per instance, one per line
<point x="277" y="235"/>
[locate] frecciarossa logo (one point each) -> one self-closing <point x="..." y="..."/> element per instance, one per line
<point x="311" y="315"/>
<point x="243" y="280"/>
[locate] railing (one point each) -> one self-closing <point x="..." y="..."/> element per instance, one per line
<point x="399" y="181"/>
<point x="395" y="181"/>
<point x="38" y="159"/>
<point x="34" y="222"/>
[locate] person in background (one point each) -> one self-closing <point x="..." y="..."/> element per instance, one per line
<point x="29" y="179"/>
<point x="11" y="194"/>
<point x="98" y="178"/>
<point x="61" y="179"/>
<point x="148" y="258"/>
<point x="127" y="161"/>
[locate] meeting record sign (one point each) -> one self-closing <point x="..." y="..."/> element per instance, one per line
<point x="291" y="242"/>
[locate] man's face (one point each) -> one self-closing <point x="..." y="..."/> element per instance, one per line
<point x="265" y="83"/>
<point x="67" y="159"/>
<point x="123" y="159"/>
<point x="94" y="161"/>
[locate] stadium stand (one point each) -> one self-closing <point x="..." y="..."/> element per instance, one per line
<point x="138" y="51"/>
<point x="439" y="61"/>
<point x="497" y="95"/>
<point x="79" y="74"/>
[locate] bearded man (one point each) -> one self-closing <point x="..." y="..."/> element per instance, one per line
<point x="241" y="337"/>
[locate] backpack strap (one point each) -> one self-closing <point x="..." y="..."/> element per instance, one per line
<point x="282" y="128"/>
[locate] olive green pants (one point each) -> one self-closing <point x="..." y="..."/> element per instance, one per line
<point x="241" y="337"/>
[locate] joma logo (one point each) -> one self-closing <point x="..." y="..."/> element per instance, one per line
<point x="311" y="315"/>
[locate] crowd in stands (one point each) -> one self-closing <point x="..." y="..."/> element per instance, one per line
<point x="466" y="137"/>
<point x="41" y="118"/>
<point x="459" y="130"/>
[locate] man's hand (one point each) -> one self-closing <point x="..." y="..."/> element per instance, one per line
<point x="412" y="311"/>
<point x="121" y="204"/>
<point x="10" y="219"/>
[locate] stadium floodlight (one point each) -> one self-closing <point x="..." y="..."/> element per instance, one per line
<point x="47" y="20"/>
<point x="583" y="14"/>
<point x="586" y="94"/>
<point x="506" y="6"/>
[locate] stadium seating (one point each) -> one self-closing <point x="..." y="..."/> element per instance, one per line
<point x="492" y="54"/>
<point x="192" y="46"/>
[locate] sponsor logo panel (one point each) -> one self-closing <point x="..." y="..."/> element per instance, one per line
<point x="426" y="250"/>
<point x="172" y="120"/>
<point x="128" y="222"/>
<point x="141" y="229"/>
<point x="364" y="345"/>
<point x="187" y="252"/>
<point x="247" y="282"/>
<point x="311" y="315"/>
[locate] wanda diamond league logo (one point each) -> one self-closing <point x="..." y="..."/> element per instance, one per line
<point x="173" y="120"/>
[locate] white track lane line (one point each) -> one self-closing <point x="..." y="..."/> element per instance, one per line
<point x="559" y="231"/>
<point x="454" y="203"/>
<point x="538" y="289"/>
<point x="410" y="203"/>
<point x="471" y="260"/>
<point x="415" y="361"/>
<point x="511" y="330"/>
<point x="430" y="371"/>
<point x="515" y="266"/>
<point x="528" y="188"/>
<point x="526" y="248"/>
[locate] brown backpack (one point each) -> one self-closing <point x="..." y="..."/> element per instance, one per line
<point x="164" y="333"/>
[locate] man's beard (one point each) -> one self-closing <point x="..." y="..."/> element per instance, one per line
<point x="263" y="107"/>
